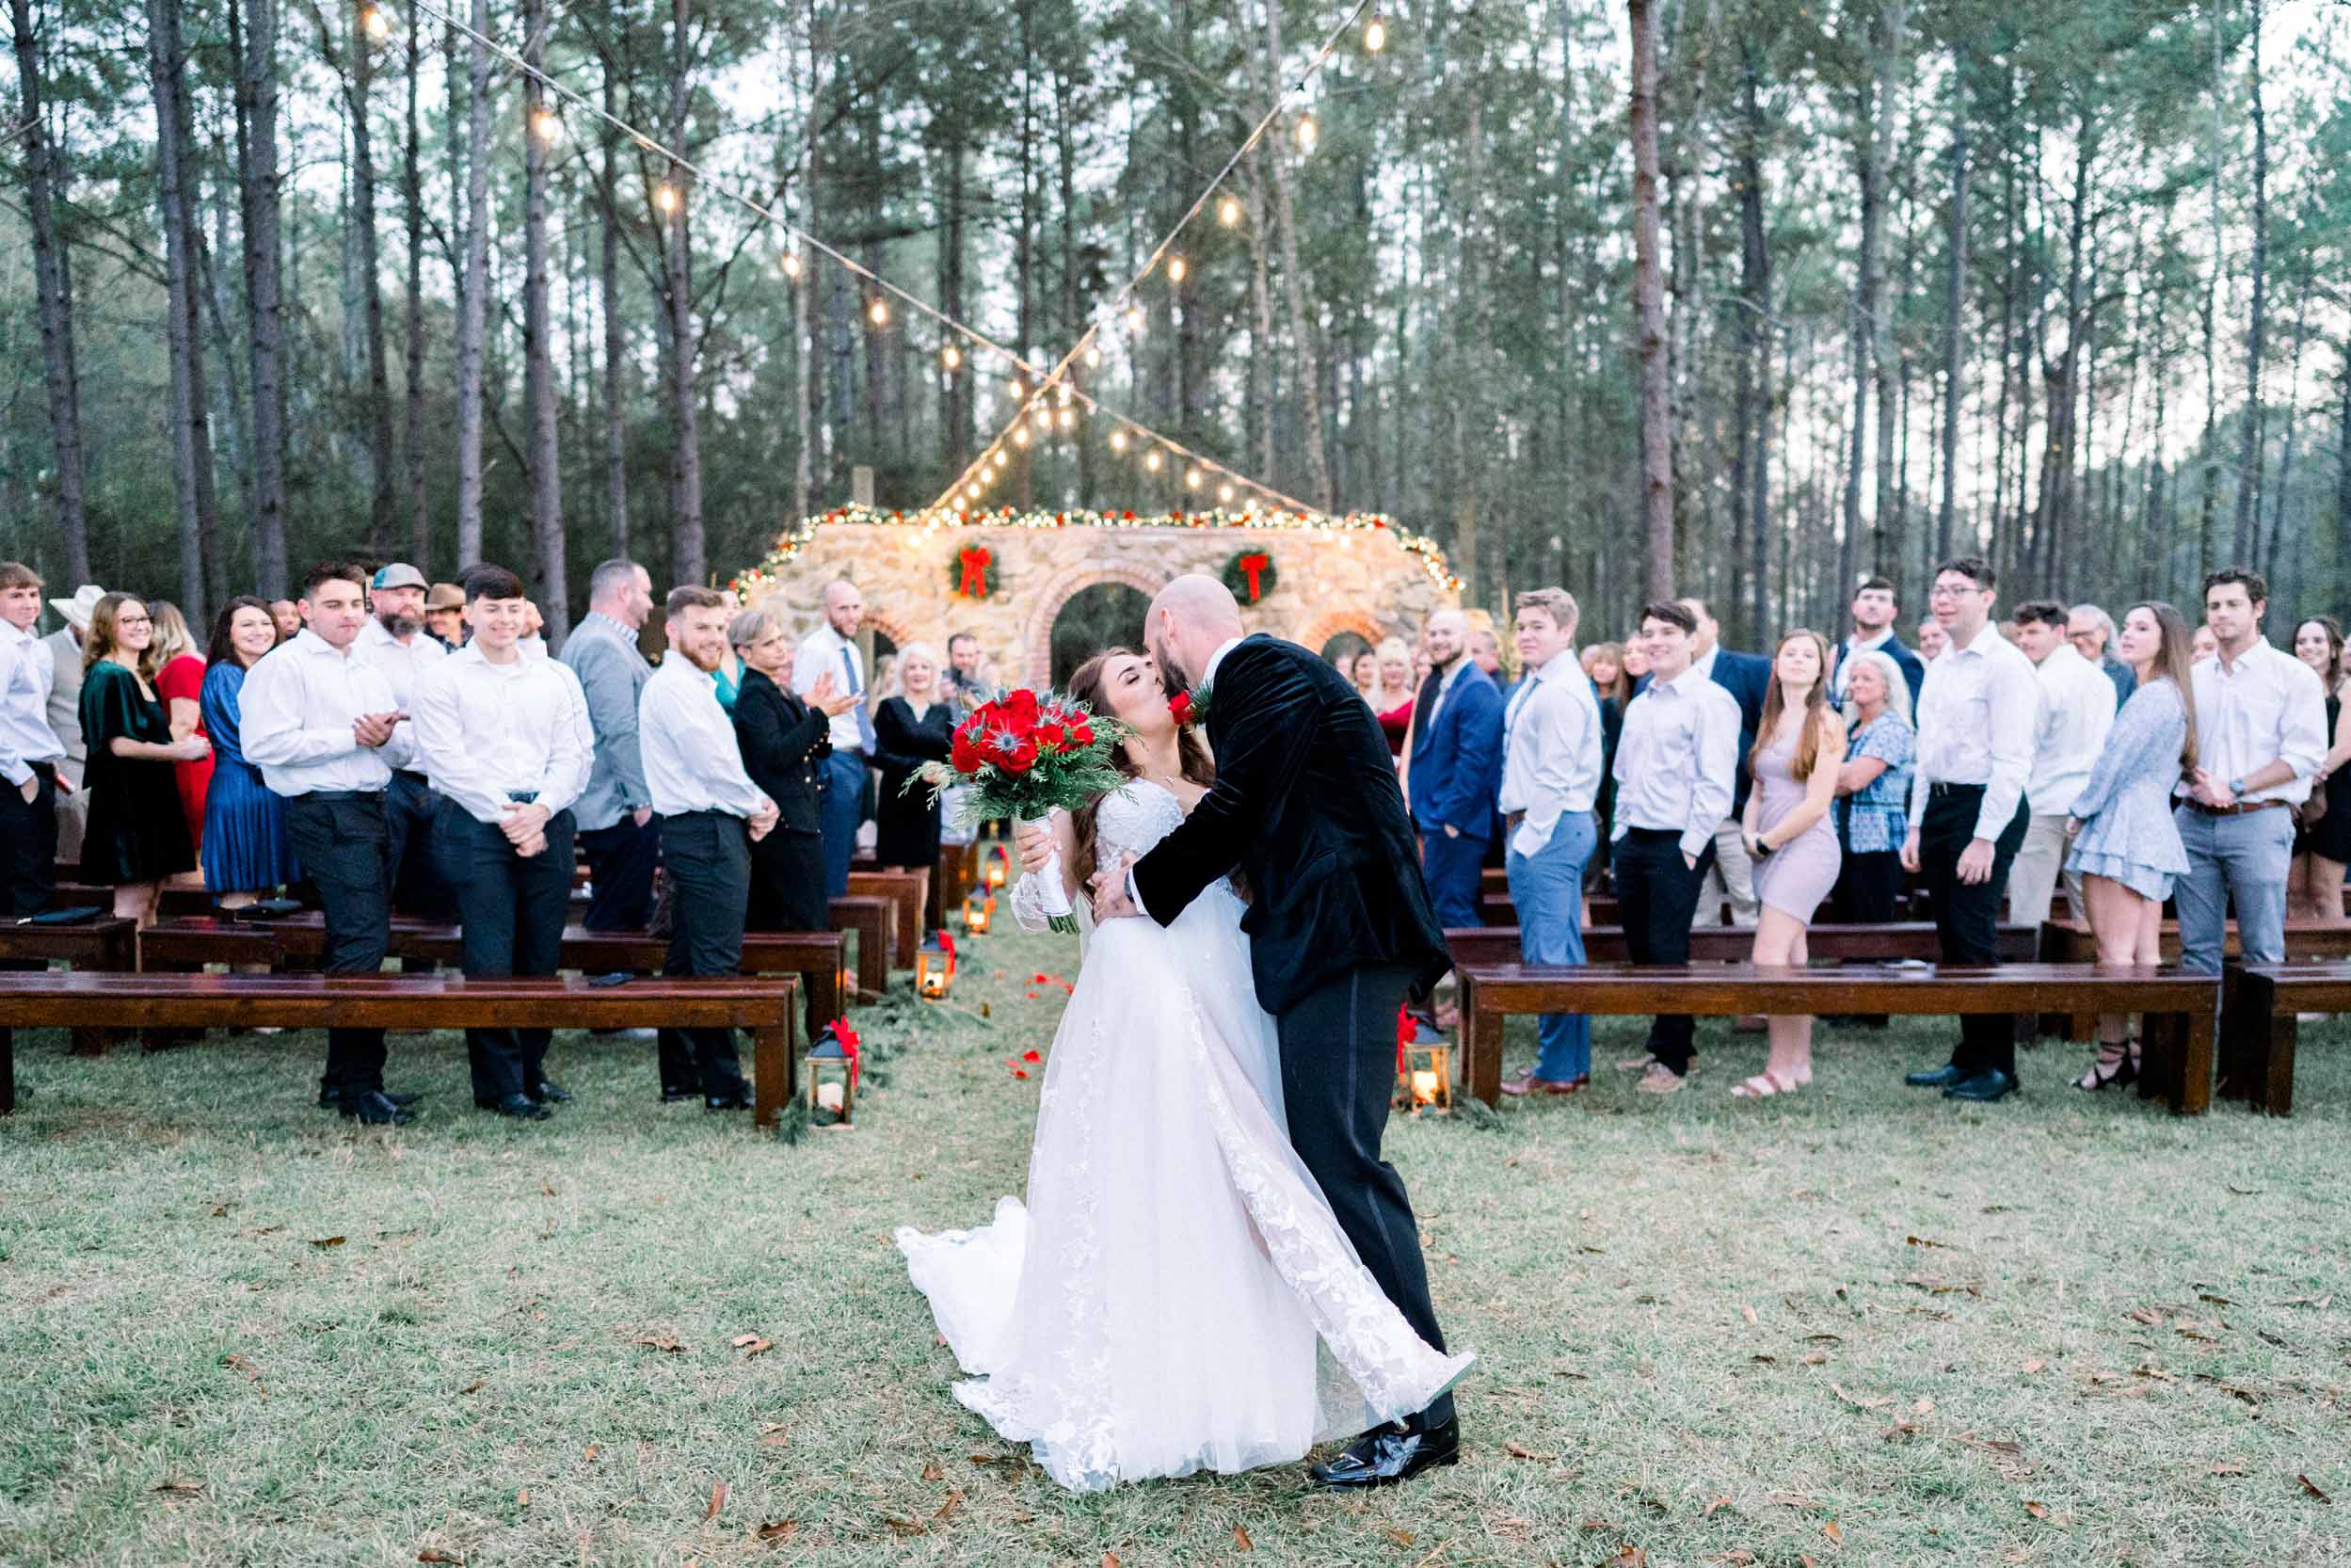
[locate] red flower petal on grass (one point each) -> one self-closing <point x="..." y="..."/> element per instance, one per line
<point x="1032" y="1054"/>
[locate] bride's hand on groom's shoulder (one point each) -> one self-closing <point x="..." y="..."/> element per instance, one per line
<point x="1109" y="886"/>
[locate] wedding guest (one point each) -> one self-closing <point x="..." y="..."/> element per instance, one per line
<point x="2261" y="735"/>
<point x="1604" y="662"/>
<point x="2077" y="706"/>
<point x="2090" y="630"/>
<point x="2126" y="846"/>
<point x="327" y="733"/>
<point x="1874" y="609"/>
<point x="969" y="681"/>
<point x="1676" y="768"/>
<point x="248" y="854"/>
<point x="444" y="615"/>
<point x="710" y="815"/>
<point x="137" y="835"/>
<point x="287" y="616"/>
<point x="1485" y="651"/>
<point x="2322" y="843"/>
<point x="2203" y="645"/>
<point x="175" y="666"/>
<point x="1873" y="781"/>
<point x="1636" y="664"/>
<point x="1799" y="745"/>
<point x="65" y="715"/>
<point x="533" y="642"/>
<point x="1363" y="673"/>
<point x="505" y="738"/>
<point x="1932" y="640"/>
<point x="832" y="649"/>
<point x="1550" y="780"/>
<point x="1392" y="700"/>
<point x="1745" y="676"/>
<point x="30" y="750"/>
<point x="614" y="815"/>
<point x="1456" y="768"/>
<point x="784" y="742"/>
<point x="909" y="729"/>
<point x="395" y="644"/>
<point x="1968" y="812"/>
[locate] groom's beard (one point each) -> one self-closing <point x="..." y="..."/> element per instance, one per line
<point x="1172" y="668"/>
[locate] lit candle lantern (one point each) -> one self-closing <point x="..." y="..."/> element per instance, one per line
<point x="934" y="967"/>
<point x="998" y="868"/>
<point x="975" y="915"/>
<point x="1424" y="1068"/>
<point x="832" y="1075"/>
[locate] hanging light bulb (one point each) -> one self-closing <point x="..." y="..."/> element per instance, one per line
<point x="1137" y="322"/>
<point x="878" y="313"/>
<point x="951" y="356"/>
<point x="1225" y="492"/>
<point x="1020" y="437"/>
<point x="1309" y="133"/>
<point x="1069" y="418"/>
<point x="1175" y="269"/>
<point x="1094" y="357"/>
<point x="546" y="125"/>
<point x="972" y="494"/>
<point x="1118" y="441"/>
<point x="1151" y="462"/>
<point x="791" y="265"/>
<point x="375" y="23"/>
<point x="1375" y="34"/>
<point x="665" y="197"/>
<point x="1044" y="417"/>
<point x="1192" y="479"/>
<point x="1062" y="395"/>
<point x="1228" y="210"/>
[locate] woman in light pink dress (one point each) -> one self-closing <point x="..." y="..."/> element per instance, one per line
<point x="1799" y="744"/>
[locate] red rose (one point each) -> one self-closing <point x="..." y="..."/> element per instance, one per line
<point x="1021" y="758"/>
<point x="1180" y="706"/>
<point x="965" y="756"/>
<point x="1050" y="737"/>
<point x="1081" y="733"/>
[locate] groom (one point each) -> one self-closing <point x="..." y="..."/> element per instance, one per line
<point x="1341" y="928"/>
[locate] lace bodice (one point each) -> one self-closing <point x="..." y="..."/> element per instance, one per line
<point x="1133" y="820"/>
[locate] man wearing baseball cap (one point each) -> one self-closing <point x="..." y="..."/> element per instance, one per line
<point x="395" y="643"/>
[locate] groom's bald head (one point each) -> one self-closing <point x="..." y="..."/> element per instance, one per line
<point x="1191" y="617"/>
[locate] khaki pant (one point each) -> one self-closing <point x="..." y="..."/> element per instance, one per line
<point x="2033" y="875"/>
<point x="1731" y="876"/>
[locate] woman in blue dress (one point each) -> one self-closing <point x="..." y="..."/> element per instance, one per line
<point x="246" y="853"/>
<point x="2124" y="843"/>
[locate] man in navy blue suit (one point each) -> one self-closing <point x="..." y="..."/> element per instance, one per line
<point x="1874" y="613"/>
<point x="1747" y="677"/>
<point x="1456" y="769"/>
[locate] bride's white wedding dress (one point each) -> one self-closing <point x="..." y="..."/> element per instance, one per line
<point x="1176" y="1295"/>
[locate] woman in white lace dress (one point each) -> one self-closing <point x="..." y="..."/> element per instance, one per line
<point x="1175" y="1295"/>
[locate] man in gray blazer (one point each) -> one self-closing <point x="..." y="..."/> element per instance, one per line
<point x="65" y="715"/>
<point x="615" y="816"/>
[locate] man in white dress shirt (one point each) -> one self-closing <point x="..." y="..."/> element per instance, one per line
<point x="709" y="813"/>
<point x="30" y="750"/>
<point x="327" y="733"/>
<point x="505" y="738"/>
<point x="2261" y="733"/>
<point x="1676" y="766"/>
<point x="1550" y="778"/>
<point x="396" y="644"/>
<point x="1977" y="717"/>
<point x="832" y="649"/>
<point x="2077" y="709"/>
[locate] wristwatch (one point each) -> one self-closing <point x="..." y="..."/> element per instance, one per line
<point x="2236" y="787"/>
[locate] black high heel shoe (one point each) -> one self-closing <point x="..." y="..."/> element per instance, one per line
<point x="2113" y="1072"/>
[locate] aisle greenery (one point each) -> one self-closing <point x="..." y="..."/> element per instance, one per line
<point x="1862" y="1325"/>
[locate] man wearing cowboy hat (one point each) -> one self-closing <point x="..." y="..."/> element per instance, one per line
<point x="444" y="614"/>
<point x="65" y="715"/>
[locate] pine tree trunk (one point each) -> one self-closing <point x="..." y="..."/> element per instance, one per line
<point x="260" y="197"/>
<point x="1657" y="435"/>
<point x="1293" y="275"/>
<point x="358" y="78"/>
<point x="191" y="433"/>
<point x="1751" y="404"/>
<point x="2054" y="507"/>
<point x="615" y="342"/>
<point x="2250" y="454"/>
<point x="805" y="472"/>
<point x="538" y="353"/>
<point x="473" y="293"/>
<point x="412" y="326"/>
<point x="688" y="556"/>
<point x="1954" y="307"/>
<point x="2210" y="522"/>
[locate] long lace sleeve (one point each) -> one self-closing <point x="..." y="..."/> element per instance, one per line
<point x="2145" y="730"/>
<point x="1028" y="906"/>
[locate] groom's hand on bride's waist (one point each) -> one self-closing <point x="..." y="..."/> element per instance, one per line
<point x="1111" y="902"/>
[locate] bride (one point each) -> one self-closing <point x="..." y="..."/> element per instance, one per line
<point x="1176" y="1295"/>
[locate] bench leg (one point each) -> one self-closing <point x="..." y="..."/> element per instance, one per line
<point x="2193" y="1095"/>
<point x="872" y="962"/>
<point x="2161" y="1047"/>
<point x="1481" y="1043"/>
<point x="2273" y="1090"/>
<point x="2259" y="1036"/>
<point x="770" y="1071"/>
<point x="823" y="983"/>
<point x="8" y="1071"/>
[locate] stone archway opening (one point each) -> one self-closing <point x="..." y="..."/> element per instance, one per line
<point x="1098" y="615"/>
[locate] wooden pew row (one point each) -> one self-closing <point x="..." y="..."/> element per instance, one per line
<point x="2263" y="1027"/>
<point x="1605" y="944"/>
<point x="99" y="944"/>
<point x="909" y="893"/>
<point x="198" y="1001"/>
<point x="2178" y="1040"/>
<point x="300" y="942"/>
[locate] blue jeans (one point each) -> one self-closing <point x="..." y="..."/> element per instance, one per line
<point x="2245" y="858"/>
<point x="1455" y="869"/>
<point x="839" y="813"/>
<point x="1549" y="888"/>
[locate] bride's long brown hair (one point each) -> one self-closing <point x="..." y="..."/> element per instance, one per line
<point x="1088" y="685"/>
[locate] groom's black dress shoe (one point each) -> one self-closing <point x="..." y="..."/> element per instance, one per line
<point x="1939" y="1078"/>
<point x="1984" y="1087"/>
<point x="1387" y="1456"/>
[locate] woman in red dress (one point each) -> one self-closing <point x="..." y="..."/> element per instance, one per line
<point x="176" y="666"/>
<point x="1392" y="699"/>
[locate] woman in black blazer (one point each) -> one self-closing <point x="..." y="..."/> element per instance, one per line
<point x="908" y="731"/>
<point x="783" y="739"/>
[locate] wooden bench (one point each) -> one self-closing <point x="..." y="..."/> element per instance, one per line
<point x="765" y="1007"/>
<point x="2178" y="1040"/>
<point x="870" y="917"/>
<point x="2070" y="941"/>
<point x="105" y="943"/>
<point x="1605" y="944"/>
<point x="908" y="892"/>
<point x="300" y="942"/>
<point x="2263" y="1025"/>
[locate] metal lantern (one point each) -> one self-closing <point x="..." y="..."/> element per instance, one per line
<point x="977" y="911"/>
<point x="934" y="967"/>
<point x="832" y="1075"/>
<point x="1424" y="1068"/>
<point x="998" y="867"/>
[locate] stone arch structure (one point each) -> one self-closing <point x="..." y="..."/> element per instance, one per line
<point x="1328" y="580"/>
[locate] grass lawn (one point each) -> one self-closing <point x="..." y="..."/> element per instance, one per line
<point x="1860" y="1326"/>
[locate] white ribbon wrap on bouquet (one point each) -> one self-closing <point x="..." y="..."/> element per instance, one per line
<point x="1051" y="897"/>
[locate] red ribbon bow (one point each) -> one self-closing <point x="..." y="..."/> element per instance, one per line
<point x="974" y="582"/>
<point x="848" y="1038"/>
<point x="1251" y="564"/>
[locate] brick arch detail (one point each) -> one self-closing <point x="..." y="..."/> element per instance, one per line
<point x="1038" y="639"/>
<point x="1323" y="628"/>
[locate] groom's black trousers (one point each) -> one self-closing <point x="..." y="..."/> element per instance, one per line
<point x="1339" y="1073"/>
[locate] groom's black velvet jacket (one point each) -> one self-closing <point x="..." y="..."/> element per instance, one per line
<point x="1307" y="807"/>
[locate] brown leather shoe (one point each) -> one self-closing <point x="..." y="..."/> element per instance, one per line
<point x="1530" y="1084"/>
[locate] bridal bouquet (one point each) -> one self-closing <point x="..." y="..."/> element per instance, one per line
<point x="1026" y="756"/>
